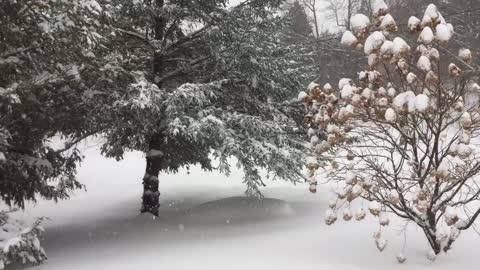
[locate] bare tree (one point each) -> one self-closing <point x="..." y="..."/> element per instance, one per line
<point x="342" y="11"/>
<point x="403" y="139"/>
<point x="312" y="6"/>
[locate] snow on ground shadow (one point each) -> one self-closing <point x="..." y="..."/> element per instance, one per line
<point x="206" y="223"/>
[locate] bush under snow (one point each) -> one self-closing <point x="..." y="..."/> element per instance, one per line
<point x="19" y="242"/>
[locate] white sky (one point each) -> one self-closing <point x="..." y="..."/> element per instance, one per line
<point x="324" y="23"/>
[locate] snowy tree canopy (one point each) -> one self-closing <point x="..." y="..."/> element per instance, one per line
<point x="46" y="57"/>
<point x="201" y="83"/>
<point x="46" y="60"/>
<point x="184" y="82"/>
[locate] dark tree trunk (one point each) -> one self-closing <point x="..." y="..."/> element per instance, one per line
<point x="449" y="245"/>
<point x="151" y="193"/>
<point x="437" y="248"/>
<point x="432" y="240"/>
<point x="317" y="32"/>
<point x="349" y="14"/>
<point x="154" y="158"/>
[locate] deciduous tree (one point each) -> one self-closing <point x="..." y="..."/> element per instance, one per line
<point x="402" y="139"/>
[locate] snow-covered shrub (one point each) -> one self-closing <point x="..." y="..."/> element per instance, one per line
<point x="402" y="138"/>
<point x="19" y="242"/>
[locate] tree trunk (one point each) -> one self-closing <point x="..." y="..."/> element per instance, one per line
<point x="448" y="246"/>
<point x="154" y="156"/>
<point x="432" y="240"/>
<point x="436" y="248"/>
<point x="151" y="193"/>
<point x="349" y="14"/>
<point x="314" y="10"/>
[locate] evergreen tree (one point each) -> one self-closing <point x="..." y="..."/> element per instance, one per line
<point x="46" y="60"/>
<point x="186" y="82"/>
<point x="46" y="50"/>
<point x="299" y="27"/>
<point x="218" y="89"/>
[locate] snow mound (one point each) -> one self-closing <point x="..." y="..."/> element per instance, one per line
<point x="239" y="210"/>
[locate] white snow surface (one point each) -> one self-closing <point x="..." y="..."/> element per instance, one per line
<point x="413" y="23"/>
<point x="374" y="42"/>
<point x="312" y="85"/>
<point x="387" y="21"/>
<point x="405" y="98"/>
<point x="390" y="115"/>
<point x="400" y="46"/>
<point x="344" y="81"/>
<point x="387" y="47"/>
<point x="348" y="39"/>
<point x="206" y="223"/>
<point x="302" y="95"/>
<point x="359" y="23"/>
<point x="411" y="77"/>
<point x="443" y="33"/>
<point x="421" y="102"/>
<point x="464" y="53"/>
<point x="426" y="36"/>
<point x="432" y="12"/>
<point x="347" y="91"/>
<point x="378" y="6"/>
<point x="424" y="63"/>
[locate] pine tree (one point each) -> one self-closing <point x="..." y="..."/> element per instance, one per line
<point x="45" y="61"/>
<point x="221" y="88"/>
<point x="185" y="82"/>
<point x="299" y="27"/>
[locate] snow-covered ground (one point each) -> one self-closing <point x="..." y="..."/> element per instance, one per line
<point x="206" y="223"/>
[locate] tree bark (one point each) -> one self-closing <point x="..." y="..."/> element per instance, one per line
<point x="349" y="14"/>
<point x="314" y="10"/>
<point x="432" y="240"/>
<point x="154" y="156"/>
<point x="151" y="193"/>
<point x="436" y="248"/>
